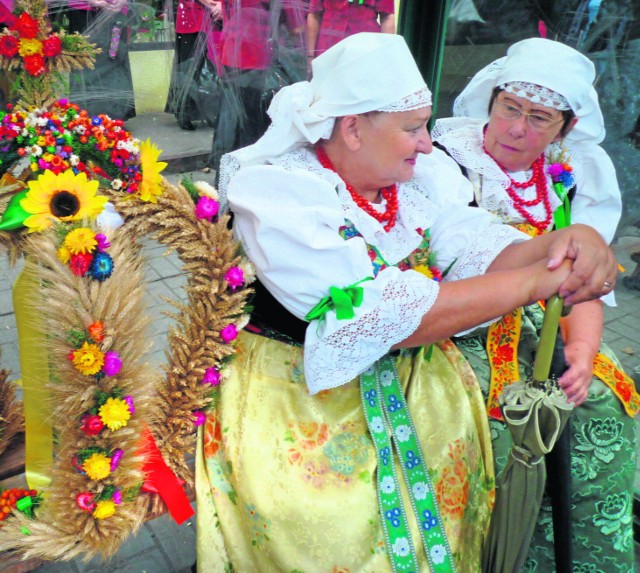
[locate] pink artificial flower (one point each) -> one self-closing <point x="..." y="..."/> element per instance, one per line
<point x="212" y="376"/>
<point x="555" y="169"/>
<point x="103" y="242"/>
<point x="116" y="456"/>
<point x="85" y="501"/>
<point x="235" y="277"/>
<point x="207" y="208"/>
<point x="129" y="400"/>
<point x="199" y="418"/>
<point x="117" y="497"/>
<point x="112" y="363"/>
<point x="229" y="333"/>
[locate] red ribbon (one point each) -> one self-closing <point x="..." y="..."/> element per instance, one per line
<point x="161" y="480"/>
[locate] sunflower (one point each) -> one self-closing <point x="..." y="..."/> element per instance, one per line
<point x="150" y="187"/>
<point x="65" y="197"/>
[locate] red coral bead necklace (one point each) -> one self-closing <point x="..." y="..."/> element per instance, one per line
<point x="390" y="194"/>
<point x="539" y="179"/>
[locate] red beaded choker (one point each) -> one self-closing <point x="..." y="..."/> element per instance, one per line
<point x="539" y="179"/>
<point x="390" y="194"/>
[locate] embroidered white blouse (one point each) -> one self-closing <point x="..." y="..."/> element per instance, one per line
<point x="288" y="215"/>
<point x="597" y="202"/>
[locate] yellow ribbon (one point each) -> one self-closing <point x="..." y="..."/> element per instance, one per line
<point x="34" y="365"/>
<point x="341" y="299"/>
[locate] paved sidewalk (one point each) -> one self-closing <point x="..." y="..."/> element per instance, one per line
<point x="161" y="546"/>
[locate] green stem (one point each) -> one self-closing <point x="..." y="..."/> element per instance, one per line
<point x="548" y="335"/>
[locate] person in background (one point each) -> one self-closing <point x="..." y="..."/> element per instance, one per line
<point x="526" y="132"/>
<point x="348" y="433"/>
<point x="329" y="21"/>
<point x="193" y="18"/>
<point x="254" y="32"/>
<point x="108" y="87"/>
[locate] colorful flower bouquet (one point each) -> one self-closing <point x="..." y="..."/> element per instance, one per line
<point x="72" y="154"/>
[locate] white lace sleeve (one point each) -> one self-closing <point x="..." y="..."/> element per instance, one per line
<point x="288" y="222"/>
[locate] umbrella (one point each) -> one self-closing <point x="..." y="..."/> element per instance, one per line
<point x="536" y="412"/>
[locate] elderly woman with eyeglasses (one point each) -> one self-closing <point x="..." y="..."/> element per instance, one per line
<point x="526" y="134"/>
<point x="348" y="433"/>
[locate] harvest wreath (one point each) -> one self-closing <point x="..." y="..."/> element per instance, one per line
<point x="121" y="431"/>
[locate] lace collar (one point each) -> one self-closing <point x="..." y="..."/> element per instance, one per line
<point x="463" y="137"/>
<point x="415" y="211"/>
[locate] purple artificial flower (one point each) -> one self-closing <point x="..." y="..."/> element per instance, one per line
<point x="235" y="277"/>
<point x="229" y="333"/>
<point x="207" y="208"/>
<point x="116" y="456"/>
<point x="103" y="242"/>
<point x="199" y="418"/>
<point x="117" y="497"/>
<point x="129" y="400"/>
<point x="112" y="363"/>
<point x="555" y="169"/>
<point x="212" y="376"/>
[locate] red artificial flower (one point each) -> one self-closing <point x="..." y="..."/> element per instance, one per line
<point x="52" y="46"/>
<point x="26" y="26"/>
<point x="80" y="263"/>
<point x="8" y="46"/>
<point x="92" y="425"/>
<point x="34" y="65"/>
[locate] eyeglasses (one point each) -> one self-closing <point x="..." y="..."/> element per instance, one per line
<point x="537" y="122"/>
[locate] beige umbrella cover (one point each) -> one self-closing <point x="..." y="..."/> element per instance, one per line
<point x="536" y="412"/>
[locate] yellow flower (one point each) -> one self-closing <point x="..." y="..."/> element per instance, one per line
<point x="104" y="509"/>
<point x="97" y="466"/>
<point x="114" y="413"/>
<point x="88" y="359"/>
<point x="29" y="47"/>
<point x="150" y="187"/>
<point x="425" y="270"/>
<point x="63" y="197"/>
<point x="64" y="256"/>
<point x="82" y="240"/>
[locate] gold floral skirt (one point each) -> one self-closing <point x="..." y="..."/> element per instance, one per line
<point x="287" y="481"/>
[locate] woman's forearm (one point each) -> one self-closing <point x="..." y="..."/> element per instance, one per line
<point x="466" y="303"/>
<point x="584" y="325"/>
<point x="388" y="23"/>
<point x="313" y="29"/>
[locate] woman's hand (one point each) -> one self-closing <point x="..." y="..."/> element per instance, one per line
<point x="109" y="5"/>
<point x="595" y="268"/>
<point x="214" y="8"/>
<point x="576" y="380"/>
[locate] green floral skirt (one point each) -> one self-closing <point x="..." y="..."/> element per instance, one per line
<point x="603" y="463"/>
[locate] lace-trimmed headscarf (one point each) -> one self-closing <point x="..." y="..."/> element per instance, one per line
<point x="551" y="65"/>
<point x="350" y="78"/>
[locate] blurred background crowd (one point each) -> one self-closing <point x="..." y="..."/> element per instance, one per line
<point x="220" y="62"/>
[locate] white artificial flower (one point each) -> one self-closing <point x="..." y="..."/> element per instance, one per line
<point x="205" y="189"/>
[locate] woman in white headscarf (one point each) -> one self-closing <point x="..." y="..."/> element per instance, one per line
<point x="348" y="434"/>
<point x="526" y="134"/>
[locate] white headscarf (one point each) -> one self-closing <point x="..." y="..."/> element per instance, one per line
<point x="362" y="73"/>
<point x="546" y="63"/>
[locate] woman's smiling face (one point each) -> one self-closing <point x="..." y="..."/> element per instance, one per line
<point x="391" y="142"/>
<point x="514" y="143"/>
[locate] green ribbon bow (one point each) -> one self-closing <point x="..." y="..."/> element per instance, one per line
<point x="14" y="215"/>
<point x="25" y="505"/>
<point x="341" y="299"/>
<point x="562" y="215"/>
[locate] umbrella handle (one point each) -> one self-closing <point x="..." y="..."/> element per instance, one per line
<point x="548" y="335"/>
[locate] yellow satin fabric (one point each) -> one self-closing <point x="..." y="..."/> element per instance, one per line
<point x="286" y="481"/>
<point x="34" y="367"/>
